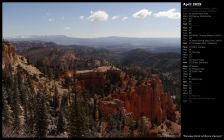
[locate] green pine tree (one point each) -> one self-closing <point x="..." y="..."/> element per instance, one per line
<point x="30" y="107"/>
<point x="41" y="117"/>
<point x="60" y="123"/>
<point x="16" y="105"/>
<point x="77" y="117"/>
<point x="6" y="109"/>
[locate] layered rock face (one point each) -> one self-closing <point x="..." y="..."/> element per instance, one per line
<point x="39" y="81"/>
<point x="8" y="55"/>
<point x="146" y="99"/>
<point x="92" y="79"/>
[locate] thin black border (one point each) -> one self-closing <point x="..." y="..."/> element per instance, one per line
<point x="117" y="1"/>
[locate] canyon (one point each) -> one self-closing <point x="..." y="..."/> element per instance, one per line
<point x="139" y="99"/>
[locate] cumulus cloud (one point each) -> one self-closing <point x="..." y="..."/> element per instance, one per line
<point x="171" y="14"/>
<point x="124" y="18"/>
<point x="67" y="28"/>
<point x="115" y="17"/>
<point x="81" y="17"/>
<point x="142" y="14"/>
<point x="98" y="16"/>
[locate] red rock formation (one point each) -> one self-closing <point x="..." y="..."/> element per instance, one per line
<point x="69" y="56"/>
<point x="88" y="80"/>
<point x="92" y="79"/>
<point x="146" y="99"/>
<point x="8" y="54"/>
<point x="111" y="107"/>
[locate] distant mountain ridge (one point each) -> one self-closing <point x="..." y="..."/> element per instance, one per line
<point x="110" y="41"/>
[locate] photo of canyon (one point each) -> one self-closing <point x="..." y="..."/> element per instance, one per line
<point x="91" y="70"/>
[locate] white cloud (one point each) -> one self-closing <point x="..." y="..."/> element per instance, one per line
<point x="67" y="28"/>
<point x="98" y="16"/>
<point x="50" y="19"/>
<point x="115" y="17"/>
<point x="124" y="18"/>
<point x="171" y="14"/>
<point x="142" y="14"/>
<point x="81" y="17"/>
<point x="62" y="18"/>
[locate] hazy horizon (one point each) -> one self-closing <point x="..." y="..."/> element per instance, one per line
<point x="31" y="36"/>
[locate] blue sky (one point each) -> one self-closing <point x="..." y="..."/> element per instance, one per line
<point x="89" y="20"/>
